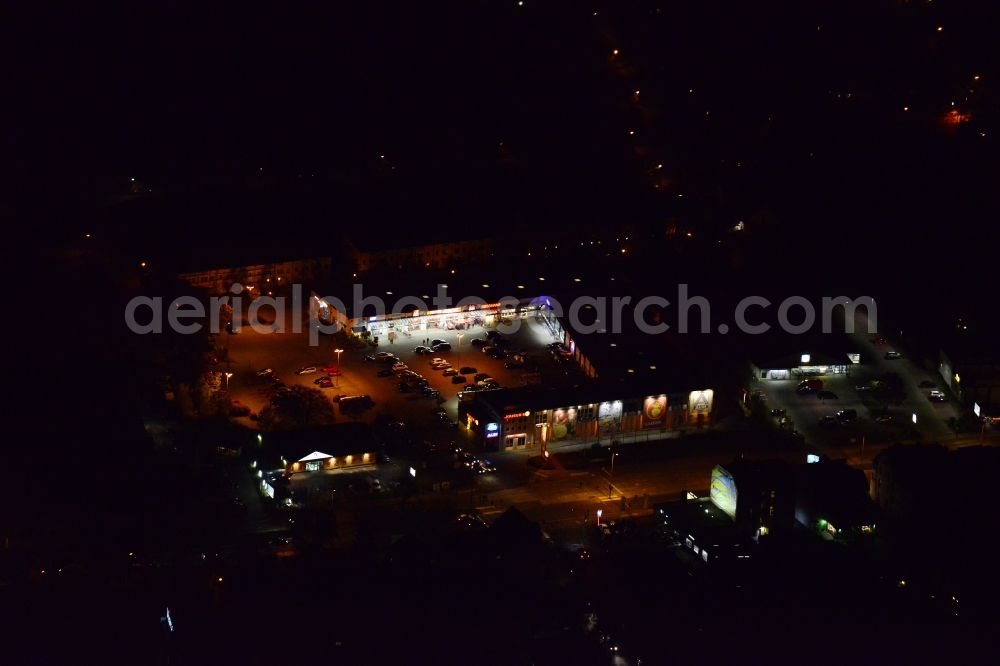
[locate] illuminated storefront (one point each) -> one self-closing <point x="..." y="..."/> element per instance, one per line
<point x="524" y="419"/>
<point x="446" y="319"/>
<point x="801" y="365"/>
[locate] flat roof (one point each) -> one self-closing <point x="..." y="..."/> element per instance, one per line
<point x="699" y="518"/>
<point x="623" y="351"/>
<point x="336" y="440"/>
<point x="535" y="398"/>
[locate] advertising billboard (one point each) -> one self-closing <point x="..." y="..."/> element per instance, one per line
<point x="609" y="414"/>
<point x="700" y="402"/>
<point x="654" y="412"/>
<point x="723" y="491"/>
<point x="563" y="422"/>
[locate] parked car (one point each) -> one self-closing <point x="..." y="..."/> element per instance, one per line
<point x="877" y="340"/>
<point x="479" y="342"/>
<point x="429" y="392"/>
<point x="893" y="355"/>
<point x="264" y="372"/>
<point x="449" y="372"/>
<point x="513" y="365"/>
<point x="399" y="367"/>
<point x="467" y="370"/>
<point x="437" y="341"/>
<point x="332" y="371"/>
<point x="829" y="421"/>
<point x="826" y="395"/>
<point x="498" y="354"/>
<point x="385" y="372"/>
<point x="442" y="347"/>
<point x="805" y="390"/>
<point x="440" y="365"/>
<point x="885" y="419"/>
<point x="237" y="408"/>
<point x="778" y="413"/>
<point x="816" y="384"/>
<point x="308" y="370"/>
<point x="422" y="349"/>
<point x="325" y="382"/>
<point x="319" y="380"/>
<point x="481" y="376"/>
<point x="349" y="402"/>
<point x="847" y="415"/>
<point x="404" y="387"/>
<point x="936" y="396"/>
<point x="485" y="467"/>
<point x="458" y="379"/>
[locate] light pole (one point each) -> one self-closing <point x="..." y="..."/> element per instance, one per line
<point x="228" y="375"/>
<point x="338" y="352"/>
<point x="459" y="358"/>
<point x="613" y="456"/>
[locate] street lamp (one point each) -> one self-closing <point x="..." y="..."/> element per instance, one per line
<point x="459" y="358"/>
<point x="228" y="375"/>
<point x="338" y="352"/>
<point x="613" y="456"/>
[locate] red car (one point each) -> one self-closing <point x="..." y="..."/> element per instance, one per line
<point x="332" y="371"/>
<point x="324" y="382"/>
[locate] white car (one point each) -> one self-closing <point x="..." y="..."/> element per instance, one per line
<point x="308" y="370"/>
<point x="264" y="372"/>
<point x="441" y="365"/>
<point x="399" y="367"/>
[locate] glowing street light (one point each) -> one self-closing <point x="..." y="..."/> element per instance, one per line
<point x="228" y="375"/>
<point x="338" y="352"/>
<point x="459" y="357"/>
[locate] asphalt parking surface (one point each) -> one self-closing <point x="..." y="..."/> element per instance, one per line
<point x="286" y="352"/>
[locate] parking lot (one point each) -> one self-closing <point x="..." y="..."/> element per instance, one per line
<point x="285" y="353"/>
<point x="876" y="422"/>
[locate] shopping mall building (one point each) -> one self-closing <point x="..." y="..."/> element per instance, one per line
<point x="599" y="412"/>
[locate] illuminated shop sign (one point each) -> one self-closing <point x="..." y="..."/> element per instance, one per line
<point x="492" y="430"/>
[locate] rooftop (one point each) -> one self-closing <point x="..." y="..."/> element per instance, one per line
<point x="337" y="440"/>
<point x="701" y="519"/>
<point x="533" y="398"/>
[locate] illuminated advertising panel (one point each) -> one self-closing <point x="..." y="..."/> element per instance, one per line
<point x="492" y="430"/>
<point x="609" y="414"/>
<point x="700" y="402"/>
<point x="723" y="491"/>
<point x="563" y="422"/>
<point x="654" y="412"/>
